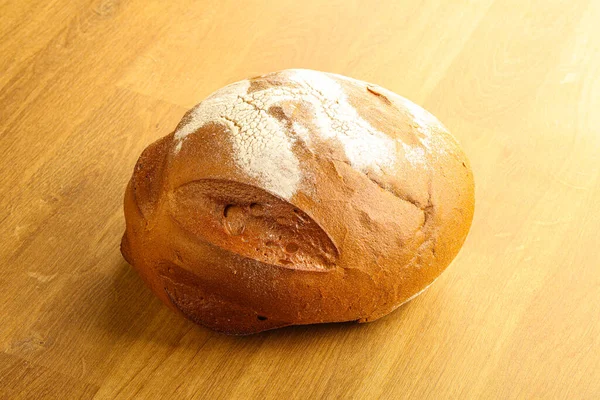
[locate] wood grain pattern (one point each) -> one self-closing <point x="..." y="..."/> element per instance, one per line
<point x="85" y="85"/>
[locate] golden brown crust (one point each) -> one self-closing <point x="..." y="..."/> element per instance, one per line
<point x="297" y="197"/>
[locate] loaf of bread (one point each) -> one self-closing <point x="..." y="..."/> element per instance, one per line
<point x="297" y="197"/>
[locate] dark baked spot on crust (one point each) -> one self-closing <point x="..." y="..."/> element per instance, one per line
<point x="257" y="84"/>
<point x="277" y="112"/>
<point x="379" y="95"/>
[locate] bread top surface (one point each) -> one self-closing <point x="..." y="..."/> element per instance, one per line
<point x="310" y="173"/>
<point x="275" y="125"/>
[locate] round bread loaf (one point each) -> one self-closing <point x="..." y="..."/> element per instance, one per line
<point x="297" y="197"/>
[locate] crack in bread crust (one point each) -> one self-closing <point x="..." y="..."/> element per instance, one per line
<point x="253" y="223"/>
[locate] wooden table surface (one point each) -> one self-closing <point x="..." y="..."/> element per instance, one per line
<point x="85" y="85"/>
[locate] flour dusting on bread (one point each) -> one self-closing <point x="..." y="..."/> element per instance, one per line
<point x="415" y="155"/>
<point x="367" y="149"/>
<point x="261" y="146"/>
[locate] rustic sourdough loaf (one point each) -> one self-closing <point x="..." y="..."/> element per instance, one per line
<point x="297" y="197"/>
